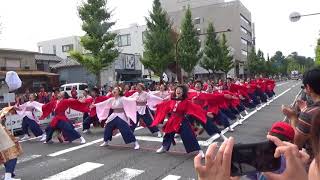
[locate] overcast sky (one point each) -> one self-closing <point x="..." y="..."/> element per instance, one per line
<point x="26" y="22"/>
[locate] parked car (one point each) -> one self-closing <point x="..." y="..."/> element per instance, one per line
<point x="80" y="87"/>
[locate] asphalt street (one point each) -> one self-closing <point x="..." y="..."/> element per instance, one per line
<point x="120" y="162"/>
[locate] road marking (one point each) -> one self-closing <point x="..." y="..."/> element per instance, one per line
<point x="75" y="171"/>
<point x="125" y="173"/>
<point x="216" y="136"/>
<point x="282" y="84"/>
<point x="171" y="177"/>
<point x="156" y="139"/>
<point x="83" y="145"/>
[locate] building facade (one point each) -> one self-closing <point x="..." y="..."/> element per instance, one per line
<point x="31" y="67"/>
<point x="60" y="46"/>
<point x="127" y="66"/>
<point x="224" y="15"/>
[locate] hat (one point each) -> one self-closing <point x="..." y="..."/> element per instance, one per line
<point x="283" y="129"/>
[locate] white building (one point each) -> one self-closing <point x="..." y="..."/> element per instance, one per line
<point x="128" y="64"/>
<point x="60" y="46"/>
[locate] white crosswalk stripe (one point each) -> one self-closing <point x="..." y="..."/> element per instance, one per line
<point x="171" y="177"/>
<point x="125" y="173"/>
<point x="75" y="171"/>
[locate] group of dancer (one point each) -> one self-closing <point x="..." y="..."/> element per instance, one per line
<point x="187" y="110"/>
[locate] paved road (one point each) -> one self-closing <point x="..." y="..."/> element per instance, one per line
<point x="121" y="162"/>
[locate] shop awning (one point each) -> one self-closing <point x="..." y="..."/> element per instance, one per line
<point x="30" y="73"/>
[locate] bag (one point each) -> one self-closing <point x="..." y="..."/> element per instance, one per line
<point x="5" y="140"/>
<point x="13" y="81"/>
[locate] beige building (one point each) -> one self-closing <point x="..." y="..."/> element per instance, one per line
<point x="224" y="15"/>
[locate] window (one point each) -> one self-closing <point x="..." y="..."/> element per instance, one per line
<point x="13" y="63"/>
<point x="82" y="87"/>
<point x="243" y="52"/>
<point x="245" y="20"/>
<point x="245" y="42"/>
<point x="54" y="49"/>
<point x="40" y="49"/>
<point x="67" y="48"/>
<point x="40" y="67"/>
<point x="197" y="20"/>
<point x="124" y="40"/>
<point x="244" y="30"/>
<point x="198" y="30"/>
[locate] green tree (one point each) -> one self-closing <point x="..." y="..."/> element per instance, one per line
<point x="212" y="51"/>
<point x="317" y="60"/>
<point x="98" y="41"/>
<point x="253" y="62"/>
<point x="189" y="47"/>
<point x="158" y="43"/>
<point x="279" y="63"/>
<point x="261" y="66"/>
<point x="226" y="63"/>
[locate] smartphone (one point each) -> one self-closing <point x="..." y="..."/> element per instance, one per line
<point x="256" y="157"/>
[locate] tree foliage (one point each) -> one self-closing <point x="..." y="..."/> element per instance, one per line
<point x="97" y="41"/>
<point x="212" y="52"/>
<point x="159" y="41"/>
<point x="317" y="60"/>
<point x="226" y="63"/>
<point x="189" y="47"/>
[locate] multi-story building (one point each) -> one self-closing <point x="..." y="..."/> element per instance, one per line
<point x="126" y="67"/>
<point x="32" y="68"/>
<point x="60" y="46"/>
<point x="224" y="15"/>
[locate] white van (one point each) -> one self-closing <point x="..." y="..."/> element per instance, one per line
<point x="79" y="86"/>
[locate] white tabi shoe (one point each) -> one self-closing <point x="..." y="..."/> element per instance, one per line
<point x="161" y="150"/>
<point x="43" y="137"/>
<point x="231" y="129"/>
<point x="239" y="121"/>
<point x="104" y="144"/>
<point x="241" y="117"/>
<point x="159" y="134"/>
<point x="8" y="176"/>
<point x="245" y="111"/>
<point x="223" y="137"/>
<point x="86" y="131"/>
<point x="25" y="137"/>
<point x="82" y="140"/>
<point x="136" y="145"/>
<point x="201" y="153"/>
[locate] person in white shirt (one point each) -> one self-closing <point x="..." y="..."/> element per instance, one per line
<point x="123" y="109"/>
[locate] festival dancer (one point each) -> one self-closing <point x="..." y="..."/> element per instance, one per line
<point x="30" y="120"/>
<point x="178" y="107"/>
<point x="10" y="148"/>
<point x="163" y="92"/>
<point x="92" y="118"/>
<point x="60" y="120"/>
<point x="202" y="99"/>
<point x="145" y="101"/>
<point x="123" y="109"/>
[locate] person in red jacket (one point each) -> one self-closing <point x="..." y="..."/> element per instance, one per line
<point x="60" y="120"/>
<point x="92" y="118"/>
<point x="74" y="93"/>
<point x="178" y="107"/>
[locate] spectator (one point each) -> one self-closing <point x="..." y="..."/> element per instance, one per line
<point x="302" y="123"/>
<point x="25" y="97"/>
<point x="74" y="93"/>
<point x="284" y="132"/>
<point x="43" y="96"/>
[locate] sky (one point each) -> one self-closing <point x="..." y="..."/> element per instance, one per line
<point x="26" y="22"/>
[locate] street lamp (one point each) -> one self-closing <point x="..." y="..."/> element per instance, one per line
<point x="295" y="16"/>
<point x="177" y="43"/>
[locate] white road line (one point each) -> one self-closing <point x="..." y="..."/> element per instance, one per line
<point x="125" y="173"/>
<point x="156" y="139"/>
<point x="171" y="177"/>
<point x="282" y="84"/>
<point x="83" y="145"/>
<point x="213" y="138"/>
<point x="26" y="159"/>
<point x="75" y="171"/>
